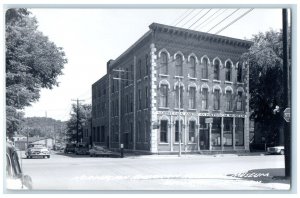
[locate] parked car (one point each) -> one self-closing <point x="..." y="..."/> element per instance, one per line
<point x="276" y="150"/>
<point x="102" y="152"/>
<point x="70" y="148"/>
<point x="15" y="179"/>
<point x="37" y="150"/>
<point x="82" y="149"/>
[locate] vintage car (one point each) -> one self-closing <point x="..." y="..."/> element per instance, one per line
<point x="276" y="150"/>
<point x="70" y="148"/>
<point x="37" y="150"/>
<point x="15" y="179"/>
<point x="102" y="152"/>
<point x="82" y="149"/>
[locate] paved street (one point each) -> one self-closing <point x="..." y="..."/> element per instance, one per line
<point x="190" y="172"/>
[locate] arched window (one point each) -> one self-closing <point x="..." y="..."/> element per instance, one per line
<point x="164" y="63"/>
<point x="164" y="131"/>
<point x="217" y="99"/>
<point x="178" y="65"/>
<point x="204" y="92"/>
<point x="228" y="94"/>
<point x="239" y="73"/>
<point x="164" y="95"/>
<point x="239" y="101"/>
<point x="228" y="71"/>
<point x="179" y="96"/>
<point x="192" y="69"/>
<point x="192" y="98"/>
<point x="217" y="69"/>
<point x="146" y="65"/>
<point x="204" y="68"/>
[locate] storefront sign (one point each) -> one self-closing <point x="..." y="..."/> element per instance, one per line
<point x="208" y="120"/>
<point x="200" y="114"/>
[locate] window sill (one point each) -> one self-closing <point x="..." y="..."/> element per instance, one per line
<point x="192" y="78"/>
<point x="181" y="109"/>
<point x="146" y="109"/>
<point x="217" y="81"/>
<point x="204" y="110"/>
<point x="192" y="143"/>
<point x="192" y="109"/>
<point x="164" y="108"/>
<point x="178" y="143"/>
<point x="139" y="80"/>
<point x="240" y="83"/>
<point x="163" y="143"/>
<point x="164" y="75"/>
<point x="204" y="79"/>
<point x="216" y="110"/>
<point x="228" y="111"/>
<point x="228" y="82"/>
<point x="181" y="77"/>
<point x="240" y="111"/>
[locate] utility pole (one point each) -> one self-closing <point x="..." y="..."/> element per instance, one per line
<point x="77" y="119"/>
<point x="286" y="86"/>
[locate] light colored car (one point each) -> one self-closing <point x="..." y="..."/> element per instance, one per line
<point x="102" y="152"/>
<point x="15" y="179"/>
<point x="37" y="150"/>
<point x="276" y="150"/>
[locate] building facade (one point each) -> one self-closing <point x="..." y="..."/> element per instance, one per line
<point x="175" y="85"/>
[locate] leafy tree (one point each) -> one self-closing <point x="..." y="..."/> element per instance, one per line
<point x="266" y="82"/>
<point x="84" y="115"/>
<point x="32" y="63"/>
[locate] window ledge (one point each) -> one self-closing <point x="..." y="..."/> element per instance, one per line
<point x="216" y="110"/>
<point x="145" y="77"/>
<point x="204" y="110"/>
<point x="164" y="108"/>
<point x="192" y="109"/>
<point x="228" y="82"/>
<point x="179" y="77"/>
<point x="178" y="143"/>
<point x="139" y="80"/>
<point x="192" y="143"/>
<point x="240" y="83"/>
<point x="217" y="81"/>
<point x="179" y="109"/>
<point x="164" y="75"/>
<point x="163" y="143"/>
<point x="228" y="111"/>
<point x="204" y="79"/>
<point x="146" y="109"/>
<point x="240" y="111"/>
<point x="192" y="78"/>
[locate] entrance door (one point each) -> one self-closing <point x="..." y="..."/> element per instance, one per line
<point x="204" y="134"/>
<point x="126" y="140"/>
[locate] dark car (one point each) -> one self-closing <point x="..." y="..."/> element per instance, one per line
<point x="82" y="149"/>
<point x="70" y="148"/>
<point x="15" y="179"/>
<point x="102" y="151"/>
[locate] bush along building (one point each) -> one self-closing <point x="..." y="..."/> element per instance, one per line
<point x="174" y="81"/>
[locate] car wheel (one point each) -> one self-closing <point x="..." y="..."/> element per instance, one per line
<point x="281" y="152"/>
<point x="48" y="156"/>
<point x="27" y="157"/>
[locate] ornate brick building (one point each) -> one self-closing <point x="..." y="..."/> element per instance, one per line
<point x="173" y="74"/>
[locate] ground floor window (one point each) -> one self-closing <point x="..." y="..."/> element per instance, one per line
<point x="192" y="131"/>
<point x="239" y="132"/>
<point x="228" y="131"/>
<point x="204" y="134"/>
<point x="216" y="132"/>
<point x="163" y="131"/>
<point x="177" y="130"/>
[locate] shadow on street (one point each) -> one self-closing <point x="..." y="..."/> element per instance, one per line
<point x="272" y="175"/>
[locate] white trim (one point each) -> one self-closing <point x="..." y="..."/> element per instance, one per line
<point x="217" y="58"/>
<point x="181" y="85"/>
<point x="228" y="60"/>
<point x="164" y="117"/>
<point x="164" y="82"/>
<point x="217" y="87"/>
<point x="166" y="51"/>
<point x="205" y="85"/>
<point x="194" y="55"/>
<point x="240" y="89"/>
<point x="229" y="88"/>
<point x="179" y="52"/>
<point x="205" y="56"/>
<point x="193" y="118"/>
<point x="192" y="85"/>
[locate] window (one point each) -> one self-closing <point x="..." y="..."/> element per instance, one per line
<point x="132" y="73"/>
<point x="239" y="132"/>
<point x="205" y="98"/>
<point x="228" y="131"/>
<point x="146" y="65"/>
<point x="164" y="96"/>
<point x="140" y="99"/>
<point x="177" y="130"/>
<point x="239" y="101"/>
<point x="146" y="131"/>
<point x="179" y="92"/>
<point x="131" y="132"/>
<point x="163" y="131"/>
<point x="217" y="70"/>
<point x="164" y="63"/>
<point x="192" y="69"/>
<point x="127" y="104"/>
<point x="178" y="66"/>
<point x="146" y="97"/>
<point x="228" y="100"/>
<point x="216" y="132"/>
<point x="240" y="73"/>
<point x="192" y="98"/>
<point x="192" y="131"/>
<point x="127" y="77"/>
<point x="228" y="71"/>
<point x="139" y="131"/>
<point x="205" y="69"/>
<point x="131" y="103"/>
<point x="217" y="99"/>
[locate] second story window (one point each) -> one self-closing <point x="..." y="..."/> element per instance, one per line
<point x="140" y="99"/>
<point x="217" y="99"/>
<point x="146" y="65"/>
<point x="146" y="97"/>
<point x="164" y="96"/>
<point x="164" y="63"/>
<point x="178" y="65"/>
<point x="228" y="71"/>
<point x="192" y="98"/>
<point x="228" y="100"/>
<point x="205" y="98"/>
<point x="239" y="101"/>
<point x="204" y="70"/>
<point x="179" y="92"/>
<point x="217" y="70"/>
<point x="239" y="73"/>
<point x="192" y="67"/>
<point x="139" y="69"/>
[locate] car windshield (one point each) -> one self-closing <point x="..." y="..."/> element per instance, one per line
<point x="36" y="146"/>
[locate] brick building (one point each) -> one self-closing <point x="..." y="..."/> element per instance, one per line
<point x="137" y="102"/>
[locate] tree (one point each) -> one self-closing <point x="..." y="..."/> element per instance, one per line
<point x="84" y="115"/>
<point x="265" y="82"/>
<point x="32" y="63"/>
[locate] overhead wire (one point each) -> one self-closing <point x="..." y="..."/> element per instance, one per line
<point x="192" y="18"/>
<point x="184" y="17"/>
<point x="209" y="19"/>
<point x="223" y="20"/>
<point x="180" y="16"/>
<point x="200" y="18"/>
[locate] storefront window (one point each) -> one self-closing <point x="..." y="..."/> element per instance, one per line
<point x="216" y="132"/>
<point x="192" y="131"/>
<point x="228" y="132"/>
<point x="239" y="132"/>
<point x="163" y="131"/>
<point x="204" y="134"/>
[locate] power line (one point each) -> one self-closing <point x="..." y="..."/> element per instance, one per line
<point x="222" y="20"/>
<point x="200" y="18"/>
<point x="184" y="17"/>
<point x="235" y="20"/>
<point x="210" y="19"/>
<point x="181" y="16"/>
<point x="192" y="17"/>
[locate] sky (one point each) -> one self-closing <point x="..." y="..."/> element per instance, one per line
<point x="91" y="37"/>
